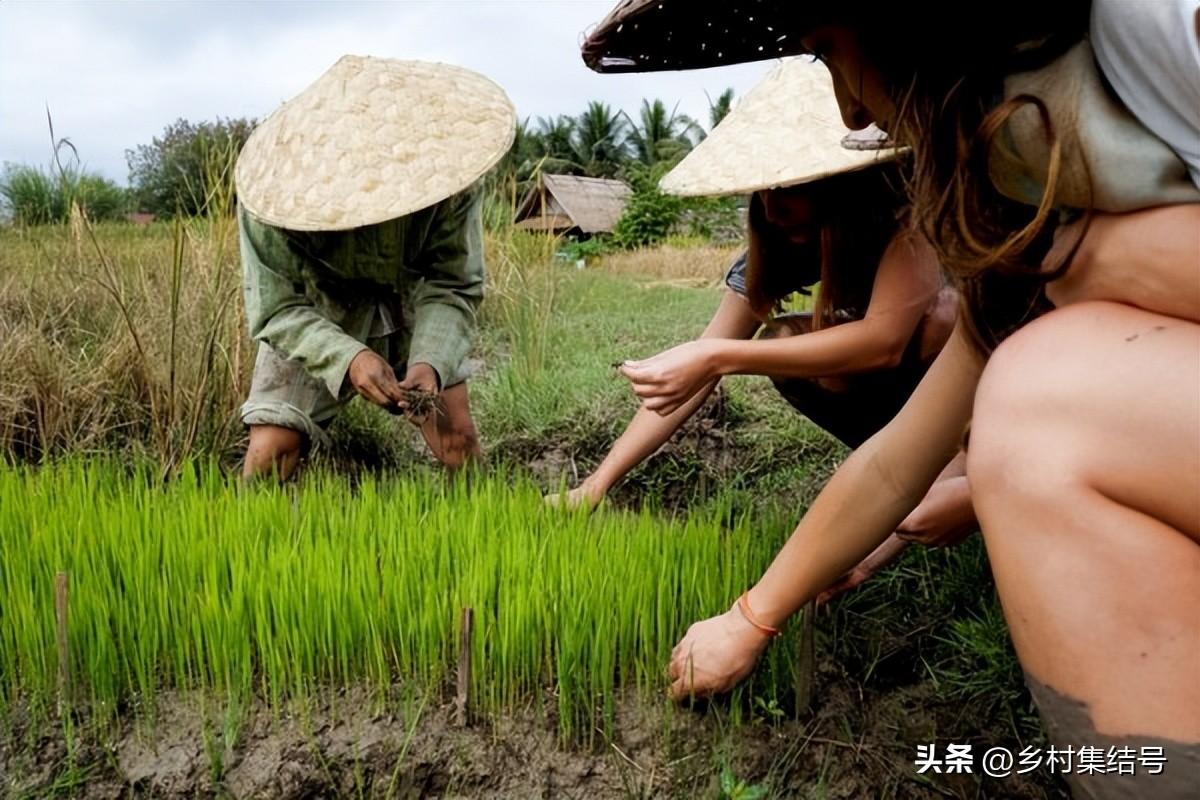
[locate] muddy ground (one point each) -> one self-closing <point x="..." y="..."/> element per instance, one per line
<point x="855" y="743"/>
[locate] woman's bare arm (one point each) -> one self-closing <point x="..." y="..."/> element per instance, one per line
<point x="648" y="431"/>
<point x="906" y="283"/>
<point x="877" y="486"/>
<point x="867" y="498"/>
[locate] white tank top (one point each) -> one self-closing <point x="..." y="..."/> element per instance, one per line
<point x="1149" y="50"/>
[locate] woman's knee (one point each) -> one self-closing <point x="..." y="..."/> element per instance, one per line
<point x="1095" y="393"/>
<point x="1026" y="406"/>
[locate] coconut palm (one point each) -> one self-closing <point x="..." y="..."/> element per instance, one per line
<point x="599" y="140"/>
<point x="553" y="145"/>
<point x="720" y="108"/>
<point x="524" y="154"/>
<point x="660" y="136"/>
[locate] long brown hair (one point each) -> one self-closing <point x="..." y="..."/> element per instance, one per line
<point x="855" y="217"/>
<point x="946" y="62"/>
<point x="949" y="93"/>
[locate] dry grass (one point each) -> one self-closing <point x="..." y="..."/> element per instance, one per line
<point x="121" y="338"/>
<point x="690" y="266"/>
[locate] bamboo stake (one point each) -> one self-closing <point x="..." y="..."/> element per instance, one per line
<point x="461" y="709"/>
<point x="64" y="653"/>
<point x="806" y="662"/>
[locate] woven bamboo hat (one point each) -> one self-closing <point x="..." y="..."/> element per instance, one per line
<point x="787" y="130"/>
<point x="373" y="139"/>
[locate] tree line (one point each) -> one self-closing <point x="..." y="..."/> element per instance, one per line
<point x="602" y="142"/>
<point x="178" y="170"/>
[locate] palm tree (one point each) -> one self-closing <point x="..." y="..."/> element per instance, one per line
<point x="718" y="110"/>
<point x="659" y="136"/>
<point x="523" y="155"/>
<point x="599" y="140"/>
<point x="556" y="146"/>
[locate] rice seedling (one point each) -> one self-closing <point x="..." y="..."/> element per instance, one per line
<point x="280" y="592"/>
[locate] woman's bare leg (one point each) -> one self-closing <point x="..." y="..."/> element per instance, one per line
<point x="1084" y="462"/>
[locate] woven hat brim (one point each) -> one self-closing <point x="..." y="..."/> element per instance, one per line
<point x="787" y="130"/>
<point x="373" y="139"/>
<point x="658" y="35"/>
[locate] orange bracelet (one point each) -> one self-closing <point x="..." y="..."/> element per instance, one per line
<point x="744" y="605"/>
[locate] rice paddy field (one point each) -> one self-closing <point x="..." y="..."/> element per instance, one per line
<point x="167" y="631"/>
<point x="283" y="592"/>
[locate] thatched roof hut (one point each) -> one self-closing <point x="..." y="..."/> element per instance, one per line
<point x="572" y="204"/>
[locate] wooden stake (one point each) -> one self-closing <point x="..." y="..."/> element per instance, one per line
<point x="806" y="662"/>
<point x="461" y="709"/>
<point x="64" y="653"/>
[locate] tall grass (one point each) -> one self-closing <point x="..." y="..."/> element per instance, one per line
<point x="201" y="584"/>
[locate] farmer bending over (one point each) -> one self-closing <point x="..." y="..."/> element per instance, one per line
<point x="362" y="255"/>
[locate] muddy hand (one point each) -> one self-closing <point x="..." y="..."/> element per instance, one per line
<point x="715" y="655"/>
<point x="668" y="380"/>
<point x="420" y="384"/>
<point x="373" y="377"/>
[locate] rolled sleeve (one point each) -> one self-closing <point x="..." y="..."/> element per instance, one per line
<point x="449" y="290"/>
<point x="279" y="312"/>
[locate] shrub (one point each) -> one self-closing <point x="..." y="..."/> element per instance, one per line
<point x="585" y="248"/>
<point x="174" y="173"/>
<point x="36" y="196"/>
<point x="650" y="214"/>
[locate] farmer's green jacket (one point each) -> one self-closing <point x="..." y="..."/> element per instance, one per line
<point x="318" y="297"/>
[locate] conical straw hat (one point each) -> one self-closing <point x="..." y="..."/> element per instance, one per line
<point x="786" y="130"/>
<point x="373" y="139"/>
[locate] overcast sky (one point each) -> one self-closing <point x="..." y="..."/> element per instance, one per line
<point x="114" y="74"/>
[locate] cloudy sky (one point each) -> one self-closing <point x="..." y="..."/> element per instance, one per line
<point x="115" y="73"/>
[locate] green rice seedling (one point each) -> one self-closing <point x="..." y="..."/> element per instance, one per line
<point x="204" y="584"/>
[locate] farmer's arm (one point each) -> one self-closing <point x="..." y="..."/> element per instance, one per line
<point x="279" y="313"/>
<point x="647" y="431"/>
<point x="450" y="290"/>
<point x="1149" y="259"/>
<point x="907" y="281"/>
<point x="877" y="486"/>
